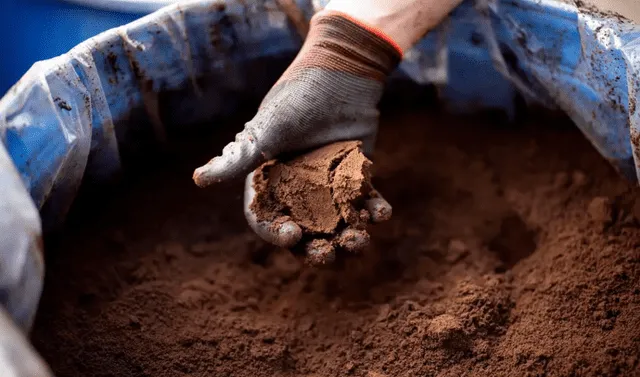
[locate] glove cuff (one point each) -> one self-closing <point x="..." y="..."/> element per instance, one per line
<point x="338" y="42"/>
<point x="362" y="25"/>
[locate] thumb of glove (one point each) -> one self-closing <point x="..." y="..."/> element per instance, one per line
<point x="238" y="159"/>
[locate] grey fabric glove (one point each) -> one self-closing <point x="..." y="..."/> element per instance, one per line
<point x="329" y="93"/>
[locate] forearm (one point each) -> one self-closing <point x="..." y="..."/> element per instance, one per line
<point x="404" y="21"/>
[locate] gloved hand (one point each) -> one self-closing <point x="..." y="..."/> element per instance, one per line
<point x="329" y="93"/>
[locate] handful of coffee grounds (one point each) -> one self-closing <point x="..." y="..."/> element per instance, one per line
<point x="324" y="191"/>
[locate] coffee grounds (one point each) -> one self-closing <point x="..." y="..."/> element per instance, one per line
<point x="497" y="262"/>
<point x="318" y="190"/>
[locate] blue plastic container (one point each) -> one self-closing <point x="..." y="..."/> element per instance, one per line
<point x="33" y="30"/>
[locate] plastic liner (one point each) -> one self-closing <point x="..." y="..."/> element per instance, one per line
<point x="74" y="117"/>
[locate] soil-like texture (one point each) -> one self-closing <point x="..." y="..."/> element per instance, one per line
<point x="317" y="190"/>
<point x="513" y="251"/>
<point x="324" y="191"/>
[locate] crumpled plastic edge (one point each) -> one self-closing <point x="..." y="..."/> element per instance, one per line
<point x="21" y="259"/>
<point x="551" y="54"/>
<point x="583" y="62"/>
<point x="67" y="117"/>
<point x="17" y="356"/>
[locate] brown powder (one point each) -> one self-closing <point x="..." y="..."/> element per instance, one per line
<point x="319" y="190"/>
<point x="493" y="265"/>
<point x="600" y="210"/>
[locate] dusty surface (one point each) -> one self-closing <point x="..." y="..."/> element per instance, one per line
<point x="509" y="254"/>
<point x="320" y="190"/>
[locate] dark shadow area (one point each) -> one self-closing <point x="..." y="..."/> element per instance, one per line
<point x="514" y="242"/>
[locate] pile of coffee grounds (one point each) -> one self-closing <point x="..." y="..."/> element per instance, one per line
<point x="323" y="191"/>
<point x="509" y="254"/>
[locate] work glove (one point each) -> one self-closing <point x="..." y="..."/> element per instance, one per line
<point x="329" y="93"/>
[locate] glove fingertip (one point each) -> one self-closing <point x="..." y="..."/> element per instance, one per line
<point x="353" y="240"/>
<point x="238" y="158"/>
<point x="320" y="252"/>
<point x="203" y="176"/>
<point x="289" y="234"/>
<point x="282" y="234"/>
<point x="379" y="209"/>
